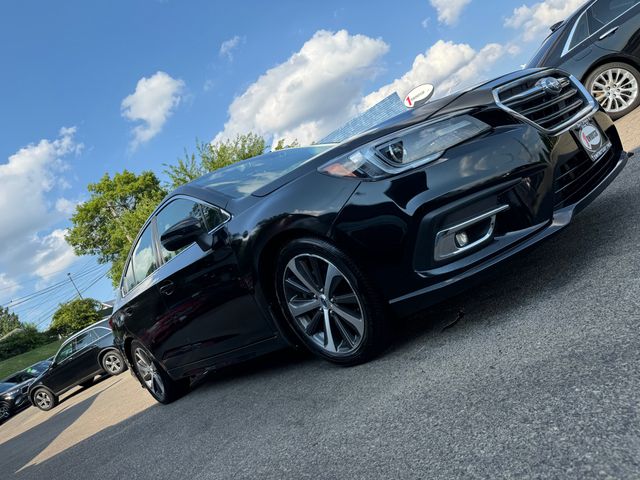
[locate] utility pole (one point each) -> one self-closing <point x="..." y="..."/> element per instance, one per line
<point x="74" y="286"/>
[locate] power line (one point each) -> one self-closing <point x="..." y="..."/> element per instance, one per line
<point x="43" y="277"/>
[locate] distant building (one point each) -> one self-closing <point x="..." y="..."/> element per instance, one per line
<point x="380" y="112"/>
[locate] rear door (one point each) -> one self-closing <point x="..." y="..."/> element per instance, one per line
<point x="210" y="307"/>
<point x="615" y="25"/>
<point x="71" y="362"/>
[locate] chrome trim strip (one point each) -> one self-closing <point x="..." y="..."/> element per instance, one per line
<point x="452" y="231"/>
<point x="590" y="109"/>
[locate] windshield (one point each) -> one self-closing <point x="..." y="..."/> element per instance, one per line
<point x="540" y="56"/>
<point x="38" y="368"/>
<point x="245" y="177"/>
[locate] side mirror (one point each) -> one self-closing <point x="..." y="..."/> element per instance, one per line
<point x="184" y="233"/>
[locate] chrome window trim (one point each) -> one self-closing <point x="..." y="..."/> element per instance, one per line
<point x="148" y="223"/>
<point x="589" y="110"/>
<point x="566" y="49"/>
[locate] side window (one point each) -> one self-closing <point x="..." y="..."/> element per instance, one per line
<point x="84" y="340"/>
<point x="603" y="12"/>
<point x="182" y="209"/>
<point x="102" y="331"/>
<point x="129" y="281"/>
<point x="65" y="352"/>
<point x="143" y="259"/>
<point x="580" y="32"/>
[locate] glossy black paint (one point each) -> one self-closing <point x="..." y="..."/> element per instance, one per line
<point x="220" y="306"/>
<point x="621" y="46"/>
<point x="14" y="389"/>
<point x="83" y="365"/>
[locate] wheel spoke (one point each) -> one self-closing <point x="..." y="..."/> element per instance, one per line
<point x="328" y="334"/>
<point x="313" y="326"/>
<point x="293" y="283"/>
<point x="302" y="275"/>
<point x="331" y="279"/>
<point x="343" y="331"/>
<point x="354" y="321"/>
<point x="300" y="307"/>
<point x="349" y="298"/>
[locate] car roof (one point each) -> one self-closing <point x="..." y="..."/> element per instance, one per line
<point x="100" y="323"/>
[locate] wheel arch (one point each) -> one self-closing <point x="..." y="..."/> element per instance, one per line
<point x="611" y="58"/>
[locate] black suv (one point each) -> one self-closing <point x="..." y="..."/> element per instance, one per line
<point x="599" y="45"/>
<point x="13" y="389"/>
<point x="88" y="353"/>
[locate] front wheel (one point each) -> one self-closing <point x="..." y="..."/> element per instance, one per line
<point x="330" y="303"/>
<point x="44" y="399"/>
<point x="615" y="87"/>
<point x="157" y="382"/>
<point x="113" y="363"/>
<point x="5" y="412"/>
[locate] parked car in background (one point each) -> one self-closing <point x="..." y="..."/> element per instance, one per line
<point x="600" y="45"/>
<point x="82" y="357"/>
<point x="321" y="245"/>
<point x="14" y="389"/>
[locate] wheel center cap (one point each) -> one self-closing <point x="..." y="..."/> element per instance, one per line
<point x="324" y="302"/>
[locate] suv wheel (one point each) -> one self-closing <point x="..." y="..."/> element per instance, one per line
<point x="157" y="382"/>
<point x="113" y="363"/>
<point x="5" y="411"/>
<point x="615" y="87"/>
<point x="44" y="399"/>
<point x="329" y="303"/>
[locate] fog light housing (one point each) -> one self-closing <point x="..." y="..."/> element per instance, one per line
<point x="462" y="239"/>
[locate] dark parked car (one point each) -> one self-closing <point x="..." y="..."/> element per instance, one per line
<point x="321" y="245"/>
<point x="599" y="45"/>
<point x="13" y="389"/>
<point x="82" y="357"/>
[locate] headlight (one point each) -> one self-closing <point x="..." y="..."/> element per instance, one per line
<point x="406" y="149"/>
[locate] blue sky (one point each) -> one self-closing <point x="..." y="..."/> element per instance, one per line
<point x="132" y="83"/>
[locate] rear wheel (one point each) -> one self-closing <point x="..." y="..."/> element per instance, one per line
<point x="113" y="363"/>
<point x="615" y="87"/>
<point x="157" y="382"/>
<point x="44" y="399"/>
<point x="5" y="412"/>
<point x="329" y="303"/>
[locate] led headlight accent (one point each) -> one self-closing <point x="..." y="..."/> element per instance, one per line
<point x="406" y="149"/>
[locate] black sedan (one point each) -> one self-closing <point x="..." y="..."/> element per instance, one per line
<point x="322" y="245"/>
<point x="82" y="357"/>
<point x="13" y="389"/>
<point x="600" y="45"/>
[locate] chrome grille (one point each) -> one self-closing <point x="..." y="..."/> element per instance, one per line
<point x="551" y="101"/>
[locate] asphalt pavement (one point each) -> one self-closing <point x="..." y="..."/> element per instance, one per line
<point x="534" y="374"/>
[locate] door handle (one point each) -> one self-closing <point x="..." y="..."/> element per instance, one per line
<point x="608" y="33"/>
<point x="167" y="288"/>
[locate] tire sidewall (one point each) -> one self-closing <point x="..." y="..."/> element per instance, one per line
<point x="608" y="66"/>
<point x="370" y="303"/>
<point x="173" y="389"/>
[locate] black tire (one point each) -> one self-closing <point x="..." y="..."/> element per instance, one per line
<point x="38" y="399"/>
<point x="113" y="363"/>
<point x="5" y="412"/>
<point x="365" y="342"/>
<point x="156" y="380"/>
<point x="601" y="94"/>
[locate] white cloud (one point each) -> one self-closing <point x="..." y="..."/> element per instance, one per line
<point x="65" y="206"/>
<point x="7" y="286"/>
<point x="316" y="90"/>
<point x="449" y="10"/>
<point x="449" y="66"/>
<point x="152" y="103"/>
<point x="26" y="178"/>
<point x="534" y="21"/>
<point x="53" y="254"/>
<point x="227" y="47"/>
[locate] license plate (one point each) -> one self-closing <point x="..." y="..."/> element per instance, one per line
<point x="592" y="139"/>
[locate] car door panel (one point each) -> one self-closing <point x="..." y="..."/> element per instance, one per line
<point x="621" y="34"/>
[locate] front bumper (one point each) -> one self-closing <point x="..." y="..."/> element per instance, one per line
<point x="561" y="219"/>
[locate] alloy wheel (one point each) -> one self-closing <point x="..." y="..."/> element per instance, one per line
<point x="149" y="373"/>
<point x="112" y="362"/>
<point x="4" y="411"/>
<point x="43" y="399"/>
<point x="615" y="89"/>
<point x="324" y="304"/>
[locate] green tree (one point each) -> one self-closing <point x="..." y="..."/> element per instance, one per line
<point x="107" y="224"/>
<point x="9" y="321"/>
<point x="212" y="156"/>
<point x="75" y="315"/>
<point x="283" y="146"/>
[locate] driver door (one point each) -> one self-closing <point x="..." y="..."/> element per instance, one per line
<point x="75" y="361"/>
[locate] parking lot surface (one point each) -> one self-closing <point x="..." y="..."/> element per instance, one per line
<point x="534" y="374"/>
